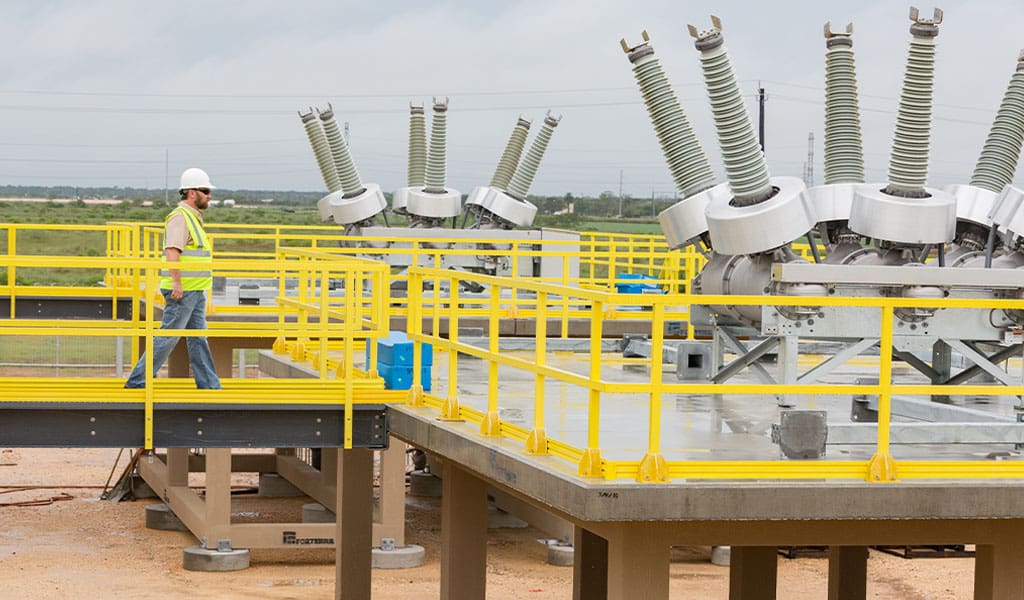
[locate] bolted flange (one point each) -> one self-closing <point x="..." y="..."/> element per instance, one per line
<point x="764" y="226"/>
<point x="973" y="204"/>
<point x="834" y="201"/>
<point x="684" y="222"/>
<point x="518" y="213"/>
<point x="883" y="216"/>
<point x="345" y="211"/>
<point x="434" y="205"/>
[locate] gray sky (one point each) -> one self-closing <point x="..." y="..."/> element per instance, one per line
<point x="95" y="93"/>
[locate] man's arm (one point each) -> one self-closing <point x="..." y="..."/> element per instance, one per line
<point x="172" y="255"/>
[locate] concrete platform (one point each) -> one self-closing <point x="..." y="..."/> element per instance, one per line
<point x="625" y="529"/>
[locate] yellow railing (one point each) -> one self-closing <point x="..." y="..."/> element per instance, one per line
<point x="652" y="466"/>
<point x="307" y="312"/>
<point x="326" y="329"/>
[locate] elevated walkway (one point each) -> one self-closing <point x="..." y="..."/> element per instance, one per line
<point x="636" y="459"/>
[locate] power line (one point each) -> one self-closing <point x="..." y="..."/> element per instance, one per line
<point x="245" y="96"/>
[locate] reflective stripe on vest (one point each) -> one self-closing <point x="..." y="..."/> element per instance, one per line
<point x="194" y="257"/>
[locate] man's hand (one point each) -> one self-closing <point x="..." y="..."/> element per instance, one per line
<point x="172" y="255"/>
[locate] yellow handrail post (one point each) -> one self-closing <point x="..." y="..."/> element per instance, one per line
<point x="436" y="324"/>
<point x="151" y="286"/>
<point x="347" y="329"/>
<point x="414" y="324"/>
<point x="491" y="424"/>
<point x="537" y="442"/>
<point x="882" y="467"/>
<point x="653" y="468"/>
<point x="280" y="345"/>
<point x="11" y="252"/>
<point x="451" y="410"/>
<point x="321" y="362"/>
<point x="304" y="277"/>
<point x="591" y="462"/>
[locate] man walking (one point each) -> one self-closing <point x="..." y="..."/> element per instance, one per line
<point x="184" y="287"/>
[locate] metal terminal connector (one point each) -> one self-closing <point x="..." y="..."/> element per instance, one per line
<point x="915" y="16"/>
<point x="838" y="38"/>
<point x="627" y="48"/>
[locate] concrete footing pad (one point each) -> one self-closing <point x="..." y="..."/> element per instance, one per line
<point x="273" y="485"/>
<point x="197" y="558"/>
<point x="424" y="483"/>
<point x="314" y="512"/>
<point x="159" y="516"/>
<point x="721" y="555"/>
<point x="560" y="555"/>
<point x="407" y="557"/>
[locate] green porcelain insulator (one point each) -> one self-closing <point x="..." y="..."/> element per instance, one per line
<point x="908" y="163"/>
<point x="844" y="150"/>
<point x="510" y="157"/>
<point x="347" y="172"/>
<point x="745" y="165"/>
<point x="321" y="150"/>
<point x="519" y="187"/>
<point x="417" y="145"/>
<point x="686" y="160"/>
<point x="998" y="161"/>
<point x="436" y="160"/>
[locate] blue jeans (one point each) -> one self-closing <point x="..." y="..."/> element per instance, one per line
<point x="187" y="313"/>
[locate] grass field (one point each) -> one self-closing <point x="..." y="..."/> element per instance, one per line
<point x="93" y="243"/>
<point x="621" y="227"/>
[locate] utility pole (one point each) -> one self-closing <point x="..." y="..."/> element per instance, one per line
<point x="653" y="215"/>
<point x="760" y="115"/>
<point x="620" y="193"/>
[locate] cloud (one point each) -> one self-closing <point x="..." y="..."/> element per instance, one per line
<point x="218" y="84"/>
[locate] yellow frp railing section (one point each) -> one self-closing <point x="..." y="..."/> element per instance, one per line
<point x="652" y="466"/>
<point x="322" y="321"/>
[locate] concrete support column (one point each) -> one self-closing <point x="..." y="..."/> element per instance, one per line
<point x="177" y="361"/>
<point x="223" y="357"/>
<point x="177" y="467"/>
<point x="463" y="535"/>
<point x="354" y="528"/>
<point x="752" y="572"/>
<point x="218" y="496"/>
<point x="590" y="565"/>
<point x="329" y="465"/>
<point x="392" y="492"/>
<point x="638" y="561"/>
<point x="999" y="571"/>
<point x="847" y="572"/>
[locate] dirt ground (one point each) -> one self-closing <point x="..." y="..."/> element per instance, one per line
<point x="83" y="547"/>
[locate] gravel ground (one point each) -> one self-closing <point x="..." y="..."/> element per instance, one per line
<point x="83" y="547"/>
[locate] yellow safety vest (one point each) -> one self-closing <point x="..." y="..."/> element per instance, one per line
<point x="195" y="257"/>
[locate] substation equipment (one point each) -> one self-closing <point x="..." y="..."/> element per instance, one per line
<point x="899" y="238"/>
<point x="499" y="211"/>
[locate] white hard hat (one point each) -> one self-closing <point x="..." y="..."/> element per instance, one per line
<point x="195" y="178"/>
